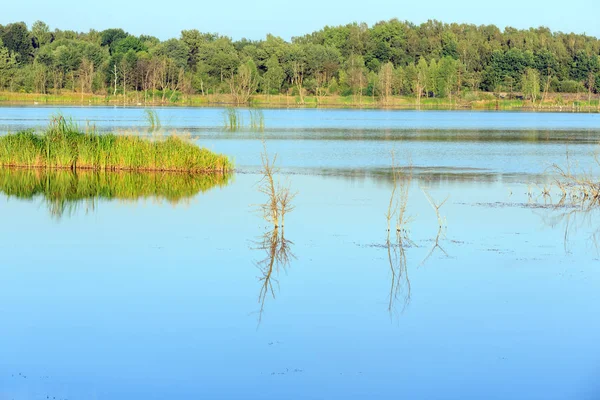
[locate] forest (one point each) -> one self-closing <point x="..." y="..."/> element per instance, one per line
<point x="390" y="58"/>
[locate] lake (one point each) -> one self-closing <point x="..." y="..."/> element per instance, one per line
<point x="154" y="286"/>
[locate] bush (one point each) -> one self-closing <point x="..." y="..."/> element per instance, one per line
<point x="570" y="87"/>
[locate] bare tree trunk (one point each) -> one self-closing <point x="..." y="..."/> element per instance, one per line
<point x="115" y="74"/>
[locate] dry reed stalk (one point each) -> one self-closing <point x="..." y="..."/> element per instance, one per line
<point x="279" y="197"/>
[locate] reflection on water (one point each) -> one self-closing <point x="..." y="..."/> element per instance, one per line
<point x="572" y="219"/>
<point x="433" y="177"/>
<point x="400" y="282"/>
<point x="441" y="235"/>
<point x="64" y="192"/>
<point x="277" y="258"/>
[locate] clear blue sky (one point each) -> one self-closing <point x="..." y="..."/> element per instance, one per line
<point x="254" y="19"/>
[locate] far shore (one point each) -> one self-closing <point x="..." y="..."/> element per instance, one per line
<point x="554" y="102"/>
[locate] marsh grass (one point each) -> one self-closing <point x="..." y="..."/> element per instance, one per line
<point x="153" y="120"/>
<point x="65" y="191"/>
<point x="232" y="119"/>
<point x="257" y="120"/>
<point x="62" y="145"/>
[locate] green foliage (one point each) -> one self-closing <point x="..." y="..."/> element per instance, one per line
<point x="531" y="84"/>
<point x="41" y="34"/>
<point x="17" y="40"/>
<point x="274" y="76"/>
<point x="8" y="65"/>
<point x="432" y="59"/>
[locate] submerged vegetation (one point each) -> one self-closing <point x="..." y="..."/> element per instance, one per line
<point x="63" y="190"/>
<point x="64" y="146"/>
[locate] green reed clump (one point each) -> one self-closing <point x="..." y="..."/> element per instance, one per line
<point x="233" y="120"/>
<point x="153" y="120"/>
<point x="257" y="120"/>
<point x="63" y="145"/>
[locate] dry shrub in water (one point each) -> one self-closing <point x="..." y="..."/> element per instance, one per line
<point x="279" y="197"/>
<point x="402" y="178"/>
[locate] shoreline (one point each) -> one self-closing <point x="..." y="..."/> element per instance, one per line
<point x="293" y="102"/>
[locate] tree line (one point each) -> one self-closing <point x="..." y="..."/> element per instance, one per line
<point x="390" y="58"/>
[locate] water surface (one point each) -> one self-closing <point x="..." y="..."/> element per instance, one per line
<point x="176" y="288"/>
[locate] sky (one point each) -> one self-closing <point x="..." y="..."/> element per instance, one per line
<point x="284" y="18"/>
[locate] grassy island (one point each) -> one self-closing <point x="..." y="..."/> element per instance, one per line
<point x="64" y="146"/>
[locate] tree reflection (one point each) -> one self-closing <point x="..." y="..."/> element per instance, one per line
<point x="573" y="218"/>
<point x="441" y="235"/>
<point x="277" y="258"/>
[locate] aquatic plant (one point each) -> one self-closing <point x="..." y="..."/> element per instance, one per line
<point x="153" y="120"/>
<point x="441" y="224"/>
<point x="436" y="207"/>
<point x="401" y="181"/>
<point x="257" y="120"/>
<point x="582" y="188"/>
<point x="62" y="145"/>
<point x="232" y="119"/>
<point x="279" y="197"/>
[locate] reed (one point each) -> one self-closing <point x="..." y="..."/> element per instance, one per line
<point x="153" y="120"/>
<point x="64" y="146"/>
<point x="232" y="119"/>
<point x="257" y="120"/>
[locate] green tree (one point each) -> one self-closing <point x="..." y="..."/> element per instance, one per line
<point x="245" y="82"/>
<point x="41" y="34"/>
<point x="8" y="65"/>
<point x="18" y="41"/>
<point x="273" y="78"/>
<point x="386" y="81"/>
<point x="530" y="84"/>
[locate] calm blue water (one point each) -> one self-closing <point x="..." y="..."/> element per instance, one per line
<point x="153" y="300"/>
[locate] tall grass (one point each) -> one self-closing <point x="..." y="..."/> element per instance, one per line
<point x="153" y="120"/>
<point x="257" y="120"/>
<point x="63" y="145"/>
<point x="232" y="119"/>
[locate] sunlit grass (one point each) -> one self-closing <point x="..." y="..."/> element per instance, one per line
<point x="64" y="146"/>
